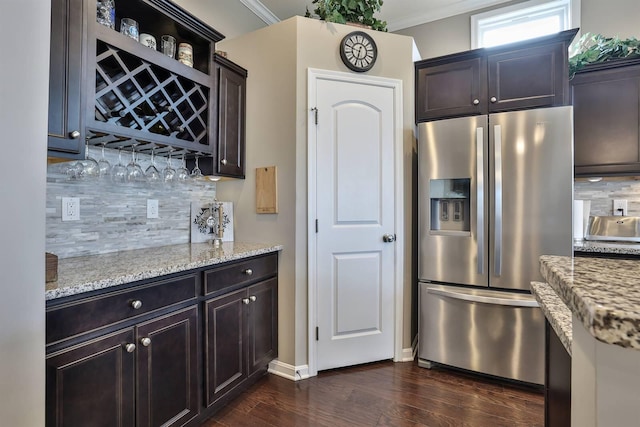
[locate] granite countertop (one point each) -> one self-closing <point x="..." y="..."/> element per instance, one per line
<point x="556" y="312"/>
<point x="600" y="247"/>
<point x="90" y="273"/>
<point x="604" y="294"/>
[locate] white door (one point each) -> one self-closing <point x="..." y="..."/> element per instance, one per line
<point x="355" y="208"/>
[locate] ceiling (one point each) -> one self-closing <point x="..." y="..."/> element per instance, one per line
<point x="399" y="14"/>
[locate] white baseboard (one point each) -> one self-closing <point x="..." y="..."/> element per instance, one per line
<point x="409" y="354"/>
<point x="290" y="372"/>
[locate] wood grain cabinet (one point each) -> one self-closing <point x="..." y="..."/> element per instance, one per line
<point x="66" y="131"/>
<point x="163" y="352"/>
<point x="143" y="373"/>
<point x="557" y="381"/>
<point x="606" y="108"/>
<point x="229" y="123"/>
<point x="241" y="333"/>
<point x="517" y="76"/>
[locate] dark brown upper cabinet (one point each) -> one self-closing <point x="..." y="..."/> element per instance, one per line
<point x="606" y="108"/>
<point x="125" y="94"/>
<point x="66" y="130"/>
<point x="528" y="74"/>
<point x="229" y="123"/>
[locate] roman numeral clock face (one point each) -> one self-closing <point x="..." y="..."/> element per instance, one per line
<point x="358" y="51"/>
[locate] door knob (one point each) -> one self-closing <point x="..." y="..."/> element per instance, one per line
<point x="493" y="99"/>
<point x="476" y="101"/>
<point x="129" y="348"/>
<point x="146" y="341"/>
<point x="389" y="238"/>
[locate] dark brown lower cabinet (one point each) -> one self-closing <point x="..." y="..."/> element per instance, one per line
<point x="167" y="363"/>
<point x="241" y="337"/>
<point x="557" y="387"/>
<point x="94" y="383"/>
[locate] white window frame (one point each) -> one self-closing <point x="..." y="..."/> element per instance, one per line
<point x="529" y="9"/>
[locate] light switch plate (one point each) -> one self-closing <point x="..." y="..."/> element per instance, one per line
<point x="152" y="208"/>
<point x="70" y="208"/>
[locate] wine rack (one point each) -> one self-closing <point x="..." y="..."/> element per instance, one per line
<point x="137" y="96"/>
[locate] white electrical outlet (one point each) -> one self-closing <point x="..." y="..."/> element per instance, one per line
<point x="152" y="208"/>
<point x="70" y="208"/>
<point x="619" y="207"/>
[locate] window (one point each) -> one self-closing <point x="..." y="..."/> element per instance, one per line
<point x="523" y="21"/>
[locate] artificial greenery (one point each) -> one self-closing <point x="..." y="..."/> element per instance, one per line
<point x="591" y="49"/>
<point x="343" y="11"/>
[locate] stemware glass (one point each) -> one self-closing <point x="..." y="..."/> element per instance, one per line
<point x="119" y="171"/>
<point x="183" y="172"/>
<point x="196" y="173"/>
<point x="151" y="173"/>
<point x="90" y="168"/>
<point x="134" y="170"/>
<point x="104" y="167"/>
<point x="168" y="173"/>
<point x="73" y="170"/>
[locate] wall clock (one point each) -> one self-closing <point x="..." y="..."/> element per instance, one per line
<point x="358" y="51"/>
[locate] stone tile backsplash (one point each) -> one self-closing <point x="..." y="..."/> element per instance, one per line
<point x="604" y="192"/>
<point x="113" y="217"/>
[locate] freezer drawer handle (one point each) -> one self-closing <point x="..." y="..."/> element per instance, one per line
<point x="485" y="299"/>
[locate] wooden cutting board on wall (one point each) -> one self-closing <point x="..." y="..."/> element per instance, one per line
<point x="266" y="190"/>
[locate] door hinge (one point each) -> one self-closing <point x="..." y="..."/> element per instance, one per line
<point x="316" y="225"/>
<point x="317" y="334"/>
<point x="315" y="114"/>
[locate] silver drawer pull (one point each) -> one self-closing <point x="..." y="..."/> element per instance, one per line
<point x="145" y="341"/>
<point x="130" y="348"/>
<point x="136" y="304"/>
<point x="245" y="301"/>
<point x="253" y="298"/>
<point x="248" y="272"/>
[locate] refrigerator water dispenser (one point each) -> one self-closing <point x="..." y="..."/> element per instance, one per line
<point x="450" y="205"/>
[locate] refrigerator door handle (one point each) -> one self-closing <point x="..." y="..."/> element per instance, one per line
<point x="484" y="299"/>
<point x="480" y="198"/>
<point x="497" y="251"/>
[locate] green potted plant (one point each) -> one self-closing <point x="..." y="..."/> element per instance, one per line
<point x="349" y="11"/>
<point x="592" y="49"/>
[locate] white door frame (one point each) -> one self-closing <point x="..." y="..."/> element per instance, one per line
<point x="312" y="291"/>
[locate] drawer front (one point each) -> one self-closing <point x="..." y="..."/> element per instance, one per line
<point x="239" y="273"/>
<point x="86" y="315"/>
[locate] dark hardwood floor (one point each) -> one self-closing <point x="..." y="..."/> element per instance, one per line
<point x="384" y="394"/>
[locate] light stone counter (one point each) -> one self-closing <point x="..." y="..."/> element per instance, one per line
<point x="607" y="248"/>
<point x="556" y="312"/>
<point x="603" y="294"/>
<point x="90" y="273"/>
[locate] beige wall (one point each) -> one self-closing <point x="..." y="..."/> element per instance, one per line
<point x="449" y="35"/>
<point x="277" y="58"/>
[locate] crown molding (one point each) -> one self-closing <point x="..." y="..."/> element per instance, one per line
<point x="440" y="13"/>
<point x="261" y="11"/>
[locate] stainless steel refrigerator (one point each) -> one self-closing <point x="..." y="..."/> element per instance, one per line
<point x="494" y="193"/>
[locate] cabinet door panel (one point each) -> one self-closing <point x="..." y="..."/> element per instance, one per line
<point x="231" y="123"/>
<point x="65" y="76"/>
<point x="263" y="324"/>
<point x="226" y="359"/>
<point x="92" y="384"/>
<point x="450" y="89"/>
<point x="606" y="117"/>
<point x="168" y="369"/>
<point x="528" y="78"/>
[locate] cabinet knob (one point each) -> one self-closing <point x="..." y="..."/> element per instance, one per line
<point x="75" y="134"/>
<point x="245" y="301"/>
<point x="224" y="162"/>
<point x="476" y="101"/>
<point x="253" y="298"/>
<point x="145" y="341"/>
<point x="136" y="304"/>
<point x="248" y="272"/>
<point x="130" y="348"/>
<point x="493" y="99"/>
